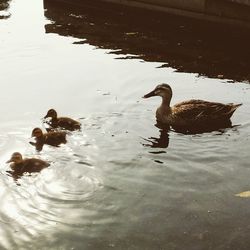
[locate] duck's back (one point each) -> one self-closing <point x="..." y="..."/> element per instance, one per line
<point x="68" y="123"/>
<point x="34" y="165"/>
<point x="29" y="166"/>
<point x="199" y="111"/>
<point x="55" y="138"/>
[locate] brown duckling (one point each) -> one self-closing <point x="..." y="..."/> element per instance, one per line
<point x="29" y="165"/>
<point x="191" y="114"/>
<point x="54" y="138"/>
<point x="62" y="122"/>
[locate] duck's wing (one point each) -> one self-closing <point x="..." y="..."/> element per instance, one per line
<point x="199" y="110"/>
<point x="55" y="138"/>
<point x="34" y="165"/>
<point x="68" y="123"/>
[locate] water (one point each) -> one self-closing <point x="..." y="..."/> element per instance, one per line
<point x="120" y="183"/>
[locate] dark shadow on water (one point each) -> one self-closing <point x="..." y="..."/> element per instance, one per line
<point x="181" y="43"/>
<point x="158" y="142"/>
<point x="209" y="127"/>
<point x="162" y="142"/>
<point x="17" y="174"/>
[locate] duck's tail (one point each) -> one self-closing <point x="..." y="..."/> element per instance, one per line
<point x="233" y="108"/>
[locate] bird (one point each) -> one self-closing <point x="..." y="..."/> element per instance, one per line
<point x="20" y="166"/>
<point x="191" y="115"/>
<point x="62" y="122"/>
<point x="54" y="138"/>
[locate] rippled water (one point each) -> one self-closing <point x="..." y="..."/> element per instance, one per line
<point x="120" y="183"/>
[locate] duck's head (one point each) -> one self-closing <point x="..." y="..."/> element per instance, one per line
<point x="51" y="113"/>
<point x="163" y="90"/>
<point x="37" y="132"/>
<point x="16" y="158"/>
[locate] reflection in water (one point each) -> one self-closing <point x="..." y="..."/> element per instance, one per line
<point x="183" y="44"/>
<point x="158" y="142"/>
<point x="162" y="141"/>
<point x="17" y="174"/>
<point x="4" y="5"/>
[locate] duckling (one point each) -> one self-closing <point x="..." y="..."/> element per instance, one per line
<point x="29" y="165"/>
<point x="62" y="122"/>
<point x="54" y="138"/>
<point x="191" y="114"/>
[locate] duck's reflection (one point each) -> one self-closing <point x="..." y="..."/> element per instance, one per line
<point x="160" y="142"/>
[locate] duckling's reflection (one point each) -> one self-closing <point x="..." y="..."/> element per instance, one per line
<point x="16" y="175"/>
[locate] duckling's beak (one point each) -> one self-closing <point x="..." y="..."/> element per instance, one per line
<point x="10" y="160"/>
<point x="46" y="116"/>
<point x="150" y="94"/>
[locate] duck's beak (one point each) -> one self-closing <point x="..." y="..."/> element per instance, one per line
<point x="46" y="116"/>
<point x="150" y="94"/>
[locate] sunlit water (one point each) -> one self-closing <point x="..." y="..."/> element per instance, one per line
<point x="119" y="183"/>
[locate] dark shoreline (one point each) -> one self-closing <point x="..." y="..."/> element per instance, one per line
<point x="227" y="12"/>
<point x="185" y="44"/>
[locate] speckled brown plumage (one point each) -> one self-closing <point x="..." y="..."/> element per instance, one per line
<point x="53" y="138"/>
<point x="19" y="166"/>
<point x="192" y="113"/>
<point x="62" y="122"/>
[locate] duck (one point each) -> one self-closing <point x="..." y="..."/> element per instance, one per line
<point x="53" y="138"/>
<point x="191" y="114"/>
<point x="62" y="122"/>
<point x="20" y="166"/>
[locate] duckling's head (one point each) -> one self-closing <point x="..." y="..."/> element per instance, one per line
<point x="16" y="158"/>
<point x="51" y="113"/>
<point x="37" y="132"/>
<point x="163" y="90"/>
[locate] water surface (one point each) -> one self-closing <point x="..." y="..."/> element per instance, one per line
<point x="120" y="183"/>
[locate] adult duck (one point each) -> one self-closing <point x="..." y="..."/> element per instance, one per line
<point x="53" y="138"/>
<point x="191" y="115"/>
<point x="62" y="122"/>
